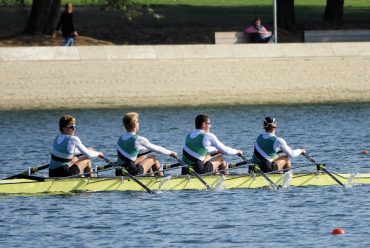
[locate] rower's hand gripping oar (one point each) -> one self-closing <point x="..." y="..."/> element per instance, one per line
<point x="258" y="170"/>
<point x="133" y="178"/>
<point x="192" y="172"/>
<point x="322" y="168"/>
<point x="31" y="170"/>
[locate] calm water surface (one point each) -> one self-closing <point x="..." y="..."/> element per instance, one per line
<point x="304" y="217"/>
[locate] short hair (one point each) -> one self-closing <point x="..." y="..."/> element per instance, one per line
<point x="129" y="120"/>
<point x="66" y="120"/>
<point x="200" y="119"/>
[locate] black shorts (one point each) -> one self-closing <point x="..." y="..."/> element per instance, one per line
<point x="131" y="167"/>
<point x="65" y="171"/>
<point x="199" y="167"/>
<point x="268" y="166"/>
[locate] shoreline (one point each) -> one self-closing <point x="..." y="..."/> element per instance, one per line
<point x="245" y="75"/>
<point x="339" y="103"/>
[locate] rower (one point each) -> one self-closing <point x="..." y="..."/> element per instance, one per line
<point x="268" y="145"/>
<point x="69" y="156"/>
<point x="200" y="143"/>
<point x="129" y="144"/>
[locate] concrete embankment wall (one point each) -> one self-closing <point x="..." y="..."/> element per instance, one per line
<point x="183" y="75"/>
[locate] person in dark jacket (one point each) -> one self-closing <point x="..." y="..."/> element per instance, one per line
<point x="66" y="25"/>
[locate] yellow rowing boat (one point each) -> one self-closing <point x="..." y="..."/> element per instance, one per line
<point x="40" y="185"/>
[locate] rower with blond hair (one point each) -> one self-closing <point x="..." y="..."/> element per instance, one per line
<point x="69" y="156"/>
<point x="129" y="144"/>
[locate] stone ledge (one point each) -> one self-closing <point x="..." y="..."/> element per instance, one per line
<point x="158" y="52"/>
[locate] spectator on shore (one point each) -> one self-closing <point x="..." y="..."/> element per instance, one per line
<point x="66" y="25"/>
<point x="258" y="33"/>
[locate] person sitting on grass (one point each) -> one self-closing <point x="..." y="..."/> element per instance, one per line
<point x="259" y="33"/>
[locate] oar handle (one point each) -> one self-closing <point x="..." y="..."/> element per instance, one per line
<point x="319" y="166"/>
<point x="236" y="165"/>
<point x="36" y="169"/>
<point x="310" y="159"/>
<point x="171" y="166"/>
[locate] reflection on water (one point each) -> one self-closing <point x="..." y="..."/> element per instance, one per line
<point x="292" y="217"/>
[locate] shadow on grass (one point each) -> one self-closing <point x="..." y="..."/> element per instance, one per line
<point x="186" y="24"/>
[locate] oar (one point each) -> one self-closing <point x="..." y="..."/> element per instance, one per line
<point x="258" y="170"/>
<point x="26" y="173"/>
<point x="100" y="168"/>
<point x="231" y="167"/>
<point x="133" y="178"/>
<point x="322" y="167"/>
<point x="192" y="172"/>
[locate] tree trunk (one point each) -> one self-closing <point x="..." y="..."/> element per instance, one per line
<point x="334" y="11"/>
<point x="285" y="14"/>
<point x="44" y="16"/>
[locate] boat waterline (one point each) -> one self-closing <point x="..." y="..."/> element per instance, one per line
<point x="237" y="181"/>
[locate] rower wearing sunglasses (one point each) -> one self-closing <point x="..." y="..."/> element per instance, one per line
<point x="268" y="145"/>
<point x="200" y="143"/>
<point x="69" y="156"/>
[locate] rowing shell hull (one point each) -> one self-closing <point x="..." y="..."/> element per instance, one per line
<point x="28" y="186"/>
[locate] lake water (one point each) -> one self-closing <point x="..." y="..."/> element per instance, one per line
<point x="305" y="217"/>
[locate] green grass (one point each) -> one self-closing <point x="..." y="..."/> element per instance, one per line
<point x="354" y="3"/>
<point x="231" y="3"/>
<point x="348" y="3"/>
<point x="196" y="21"/>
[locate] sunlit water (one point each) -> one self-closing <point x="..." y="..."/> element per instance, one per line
<point x="293" y="217"/>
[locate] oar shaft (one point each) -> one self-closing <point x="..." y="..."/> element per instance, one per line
<point x="25" y="173"/>
<point x="322" y="167"/>
<point x="133" y="178"/>
<point x="192" y="172"/>
<point x="258" y="170"/>
<point x="332" y="176"/>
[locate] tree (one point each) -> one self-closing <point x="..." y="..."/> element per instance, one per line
<point x="44" y="13"/>
<point x="130" y="8"/>
<point x="43" y="17"/>
<point x="334" y="11"/>
<point x="285" y="14"/>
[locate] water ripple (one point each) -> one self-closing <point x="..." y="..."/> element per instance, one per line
<point x="292" y="217"/>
